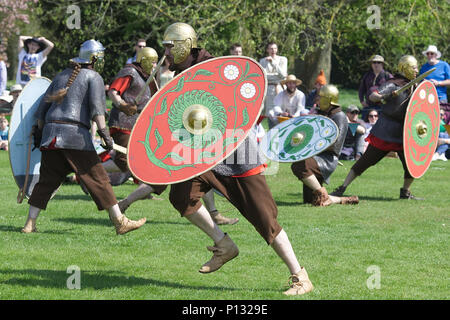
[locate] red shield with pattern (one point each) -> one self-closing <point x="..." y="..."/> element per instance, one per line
<point x="196" y="120"/>
<point x="421" y="129"/>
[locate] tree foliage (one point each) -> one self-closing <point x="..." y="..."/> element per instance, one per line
<point x="299" y="27"/>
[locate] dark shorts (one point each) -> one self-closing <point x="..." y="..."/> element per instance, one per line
<point x="372" y="156"/>
<point x="250" y="195"/>
<point x="305" y="168"/>
<point x="57" y="164"/>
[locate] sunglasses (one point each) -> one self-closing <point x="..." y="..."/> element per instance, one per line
<point x="377" y="62"/>
<point x="373" y="116"/>
<point x="354" y="112"/>
<point x="430" y="53"/>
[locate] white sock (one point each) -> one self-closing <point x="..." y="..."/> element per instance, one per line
<point x="114" y="212"/>
<point x="312" y="183"/>
<point x="203" y="221"/>
<point x="283" y="248"/>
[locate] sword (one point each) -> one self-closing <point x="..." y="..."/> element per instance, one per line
<point x="409" y="84"/>
<point x="120" y="148"/>
<point x="414" y="81"/>
<point x="152" y="75"/>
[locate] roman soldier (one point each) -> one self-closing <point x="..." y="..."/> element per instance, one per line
<point x="242" y="183"/>
<point x="387" y="133"/>
<point x="75" y="97"/>
<point x="120" y="122"/>
<point x="123" y="92"/>
<point x="313" y="172"/>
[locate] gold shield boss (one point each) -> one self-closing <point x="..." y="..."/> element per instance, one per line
<point x="328" y="95"/>
<point x="183" y="38"/>
<point x="147" y="57"/>
<point x="407" y="67"/>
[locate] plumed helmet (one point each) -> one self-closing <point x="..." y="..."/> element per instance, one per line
<point x="91" y="51"/>
<point x="182" y="37"/>
<point x="147" y="57"/>
<point x="329" y="95"/>
<point x="407" y="67"/>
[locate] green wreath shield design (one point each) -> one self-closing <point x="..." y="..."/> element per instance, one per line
<point x="214" y="105"/>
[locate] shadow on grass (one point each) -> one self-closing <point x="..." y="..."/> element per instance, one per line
<point x="98" y="281"/>
<point x="85" y="221"/>
<point x="18" y="229"/>
<point x="108" y="223"/>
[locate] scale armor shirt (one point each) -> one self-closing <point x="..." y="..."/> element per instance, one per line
<point x="70" y="121"/>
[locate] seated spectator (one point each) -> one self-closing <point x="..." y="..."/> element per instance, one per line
<point x="4" y="133"/>
<point x="370" y="81"/>
<point x="370" y="119"/>
<point x="353" y="147"/>
<point x="313" y="97"/>
<point x="8" y="99"/>
<point x="443" y="141"/>
<point x="289" y="102"/>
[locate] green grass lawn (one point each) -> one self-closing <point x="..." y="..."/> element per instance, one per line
<point x="406" y="240"/>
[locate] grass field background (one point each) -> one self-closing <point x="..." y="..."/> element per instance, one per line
<point x="407" y="241"/>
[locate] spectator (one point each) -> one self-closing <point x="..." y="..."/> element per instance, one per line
<point x="443" y="141"/>
<point x="370" y="81"/>
<point x="3" y="76"/>
<point x="288" y="103"/>
<point x="353" y="147"/>
<point x="32" y="55"/>
<point x="313" y="97"/>
<point x="276" y="70"/>
<point x="236" y="49"/>
<point x="441" y="76"/>
<point x="164" y="74"/>
<point x="369" y="121"/>
<point x="8" y="99"/>
<point x="4" y="133"/>
<point x="141" y="43"/>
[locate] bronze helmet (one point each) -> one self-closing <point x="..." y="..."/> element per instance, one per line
<point x="147" y="57"/>
<point x="407" y="67"/>
<point x="328" y="95"/>
<point x="183" y="38"/>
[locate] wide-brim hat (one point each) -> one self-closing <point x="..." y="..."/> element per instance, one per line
<point x="41" y="44"/>
<point x="16" y="87"/>
<point x="6" y="96"/>
<point x="291" y="77"/>
<point x="377" y="58"/>
<point x="434" y="49"/>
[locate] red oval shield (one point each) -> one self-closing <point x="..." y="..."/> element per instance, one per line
<point x="196" y="120"/>
<point x="421" y="129"/>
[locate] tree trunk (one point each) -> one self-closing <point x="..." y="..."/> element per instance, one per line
<point x="308" y="69"/>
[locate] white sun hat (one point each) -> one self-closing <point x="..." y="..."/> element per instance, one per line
<point x="434" y="49"/>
